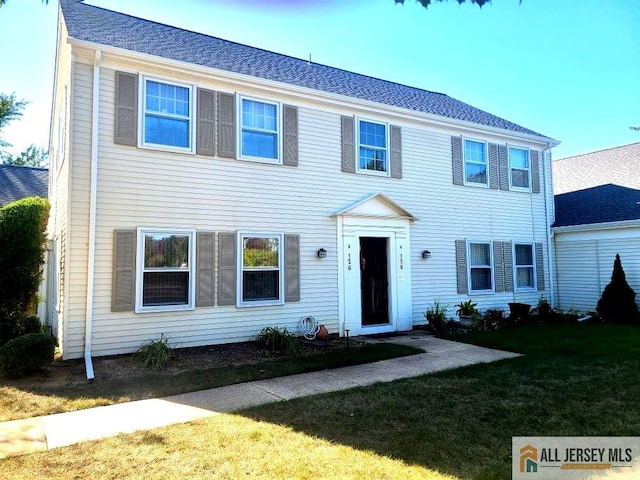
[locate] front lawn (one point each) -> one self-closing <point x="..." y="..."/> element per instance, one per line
<point x="576" y="379"/>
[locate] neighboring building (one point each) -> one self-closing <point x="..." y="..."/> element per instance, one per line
<point x="198" y="181"/>
<point x="21" y="182"/>
<point x="597" y="219"/>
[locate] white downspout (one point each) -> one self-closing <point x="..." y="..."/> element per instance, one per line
<point x="92" y="215"/>
<point x="548" y="205"/>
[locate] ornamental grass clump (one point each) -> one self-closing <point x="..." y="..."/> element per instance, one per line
<point x="155" y="354"/>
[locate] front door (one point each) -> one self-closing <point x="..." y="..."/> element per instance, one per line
<point x="374" y="281"/>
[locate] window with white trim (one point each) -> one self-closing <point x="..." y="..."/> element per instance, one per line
<point x="524" y="266"/>
<point x="480" y="267"/>
<point x="520" y="168"/>
<point x="165" y="270"/>
<point x="372" y="147"/>
<point x="259" y="132"/>
<point x="475" y="162"/>
<point x="261" y="279"/>
<point x="167" y="115"/>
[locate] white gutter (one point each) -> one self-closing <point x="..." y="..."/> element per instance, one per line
<point x="598" y="226"/>
<point x="548" y="205"/>
<point x="92" y="215"/>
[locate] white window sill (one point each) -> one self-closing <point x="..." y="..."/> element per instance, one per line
<point x="166" y="148"/>
<point x="481" y="292"/>
<point x="269" y="161"/>
<point x="520" y="189"/>
<point x="525" y="289"/>
<point x="268" y="303"/>
<point x="373" y="173"/>
<point x="474" y="184"/>
<point x="164" y="308"/>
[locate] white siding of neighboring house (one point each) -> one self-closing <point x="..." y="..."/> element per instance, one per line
<point x="584" y="262"/>
<point x="141" y="187"/>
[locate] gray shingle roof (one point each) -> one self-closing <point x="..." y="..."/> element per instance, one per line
<point x="619" y="165"/>
<point x="601" y="204"/>
<point x="105" y="27"/>
<point x="21" y="182"/>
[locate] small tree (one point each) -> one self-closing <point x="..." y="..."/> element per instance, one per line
<point x="618" y="301"/>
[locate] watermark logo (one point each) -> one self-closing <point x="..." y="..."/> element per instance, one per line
<point x="528" y="459"/>
<point x="557" y="458"/>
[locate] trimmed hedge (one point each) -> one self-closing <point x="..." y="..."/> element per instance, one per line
<point x="618" y="301"/>
<point x="17" y="324"/>
<point x="23" y="227"/>
<point x="26" y="354"/>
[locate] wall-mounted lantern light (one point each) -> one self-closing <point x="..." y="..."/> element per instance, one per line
<point x="426" y="254"/>
<point x="322" y="253"/>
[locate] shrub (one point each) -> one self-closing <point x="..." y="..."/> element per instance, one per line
<point x="154" y="354"/>
<point x="26" y="354"/>
<point x="618" y="301"/>
<point x="544" y="309"/>
<point x="17" y="324"/>
<point x="22" y="248"/>
<point x="466" y="309"/>
<point x="492" y="320"/>
<point x="436" y="315"/>
<point x="276" y="340"/>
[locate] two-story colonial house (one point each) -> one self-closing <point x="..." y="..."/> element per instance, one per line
<point x="204" y="189"/>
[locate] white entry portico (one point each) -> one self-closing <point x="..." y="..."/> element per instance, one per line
<point x="374" y="266"/>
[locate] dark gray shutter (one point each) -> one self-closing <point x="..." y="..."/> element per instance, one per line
<point x="507" y="250"/>
<point x="227" y="269"/>
<point x="348" y="145"/>
<point x="205" y="265"/>
<point x="535" y="172"/>
<point x="290" y="122"/>
<point x="461" y="266"/>
<point x="226" y="125"/>
<point x="498" y="262"/>
<point x="396" y="151"/>
<point x="456" y="161"/>
<point x="126" y="109"/>
<point x="503" y="166"/>
<point x="292" y="268"/>
<point x="123" y="280"/>
<point x="205" y="132"/>
<point x="494" y="177"/>
<point x="540" y="267"/>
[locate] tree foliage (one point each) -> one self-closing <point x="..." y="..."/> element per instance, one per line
<point x="618" y="301"/>
<point x="10" y="110"/>
<point x="2" y="2"/>
<point x="32" y="157"/>
<point x="426" y="3"/>
<point x="23" y="227"/>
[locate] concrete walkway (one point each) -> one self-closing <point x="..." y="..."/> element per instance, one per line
<point x="20" y="437"/>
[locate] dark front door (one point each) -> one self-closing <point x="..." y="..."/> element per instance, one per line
<point x="374" y="280"/>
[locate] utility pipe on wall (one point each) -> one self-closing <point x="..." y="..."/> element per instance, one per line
<point x="92" y="216"/>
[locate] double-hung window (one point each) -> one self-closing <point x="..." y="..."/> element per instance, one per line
<point x="480" y="267"/>
<point x="372" y="147"/>
<point x="520" y="168"/>
<point x="475" y="162"/>
<point x="165" y="270"/>
<point x="261" y="279"/>
<point x="259" y="135"/>
<point x="167" y="117"/>
<point x="524" y="266"/>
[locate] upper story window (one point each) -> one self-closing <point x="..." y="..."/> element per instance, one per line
<point x="520" y="167"/>
<point x="261" y="279"/>
<point x="167" y="115"/>
<point x="524" y="265"/>
<point x="475" y="162"/>
<point x="259" y="129"/>
<point x="165" y="278"/>
<point x="372" y="147"/>
<point x="480" y="267"/>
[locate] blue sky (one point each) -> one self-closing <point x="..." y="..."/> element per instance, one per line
<point x="567" y="69"/>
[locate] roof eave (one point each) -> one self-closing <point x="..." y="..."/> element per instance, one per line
<point x="597" y="226"/>
<point x="320" y="94"/>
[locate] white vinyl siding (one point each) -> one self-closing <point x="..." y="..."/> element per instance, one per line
<point x="139" y="187"/>
<point x="476" y="167"/>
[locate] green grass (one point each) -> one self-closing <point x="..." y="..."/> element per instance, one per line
<point x="576" y="379"/>
<point x="26" y="398"/>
